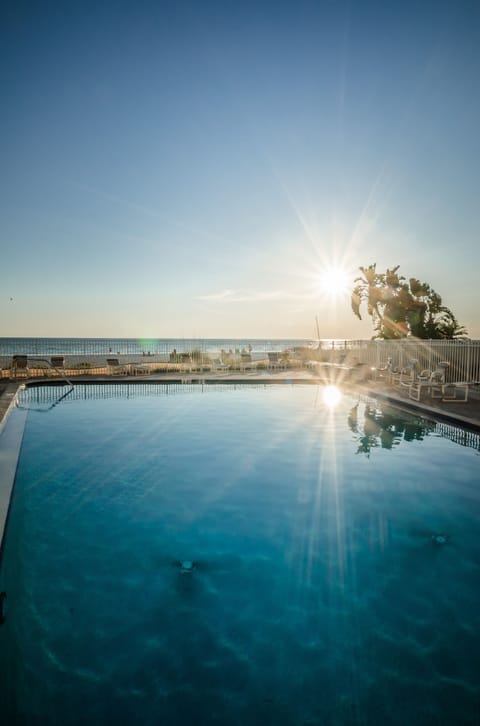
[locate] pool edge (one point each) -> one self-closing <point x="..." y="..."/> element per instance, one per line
<point x="11" y="436"/>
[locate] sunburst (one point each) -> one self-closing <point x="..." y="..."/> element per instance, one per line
<point x="334" y="282"/>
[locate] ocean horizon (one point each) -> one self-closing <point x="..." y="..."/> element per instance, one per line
<point x="140" y="346"/>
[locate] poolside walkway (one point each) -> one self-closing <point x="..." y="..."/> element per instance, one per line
<point x="464" y="414"/>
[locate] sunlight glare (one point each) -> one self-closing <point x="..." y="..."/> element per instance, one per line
<point x="334" y="281"/>
<point x="331" y="396"/>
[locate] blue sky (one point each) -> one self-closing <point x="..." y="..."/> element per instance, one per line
<point x="189" y="169"/>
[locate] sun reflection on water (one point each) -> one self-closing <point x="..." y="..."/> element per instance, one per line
<point x="331" y="396"/>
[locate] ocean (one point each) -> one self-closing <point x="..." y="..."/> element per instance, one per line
<point x="140" y="346"/>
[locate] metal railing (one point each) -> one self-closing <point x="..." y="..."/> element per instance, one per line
<point x="53" y="367"/>
<point x="463" y="437"/>
<point x="67" y="382"/>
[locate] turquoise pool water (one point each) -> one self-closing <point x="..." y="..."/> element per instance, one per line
<point x="318" y="595"/>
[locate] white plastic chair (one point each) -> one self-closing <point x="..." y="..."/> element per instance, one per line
<point x="433" y="384"/>
<point x="116" y="368"/>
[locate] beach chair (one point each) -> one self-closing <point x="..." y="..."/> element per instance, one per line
<point x="383" y="371"/>
<point x="284" y="360"/>
<point x="186" y="363"/>
<point x="181" y="361"/>
<point x="434" y="384"/>
<point x="424" y="375"/>
<point x="394" y="375"/>
<point x="218" y="366"/>
<point x="116" y="368"/>
<point x="450" y="391"/>
<point x="273" y="360"/>
<point x="407" y="375"/>
<point x="57" y="363"/>
<point x="140" y="369"/>
<point x="19" y="367"/>
<point x="246" y="362"/>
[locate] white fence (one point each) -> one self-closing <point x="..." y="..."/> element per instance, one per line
<point x="462" y="355"/>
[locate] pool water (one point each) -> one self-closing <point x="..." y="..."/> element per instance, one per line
<point x="317" y="594"/>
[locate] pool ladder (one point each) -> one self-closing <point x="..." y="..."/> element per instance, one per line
<point x="54" y="368"/>
<point x="61" y="374"/>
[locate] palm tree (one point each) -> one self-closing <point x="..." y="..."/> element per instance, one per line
<point x="386" y="298"/>
<point x="399" y="308"/>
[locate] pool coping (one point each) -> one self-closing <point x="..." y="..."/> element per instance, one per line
<point x="12" y="437"/>
<point x="7" y="401"/>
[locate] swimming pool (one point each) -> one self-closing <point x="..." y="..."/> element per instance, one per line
<point x="317" y="596"/>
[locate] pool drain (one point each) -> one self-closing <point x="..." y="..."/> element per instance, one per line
<point x="186" y="567"/>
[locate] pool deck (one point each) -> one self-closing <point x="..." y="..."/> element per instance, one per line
<point x="463" y="413"/>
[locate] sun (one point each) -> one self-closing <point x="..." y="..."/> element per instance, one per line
<point x="334" y="281"/>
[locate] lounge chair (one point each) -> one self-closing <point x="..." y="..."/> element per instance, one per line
<point x="383" y="371"/>
<point x="273" y="360"/>
<point x="434" y="384"/>
<point x="181" y="361"/>
<point x="450" y="390"/>
<point x="387" y="371"/>
<point x="116" y="368"/>
<point x="246" y="362"/>
<point x="394" y="375"/>
<point x="140" y="369"/>
<point x="218" y="366"/>
<point x="19" y="367"/>
<point x="407" y="374"/>
<point x="424" y="375"/>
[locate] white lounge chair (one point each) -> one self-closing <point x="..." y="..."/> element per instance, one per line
<point x="218" y="366"/>
<point x="383" y="371"/>
<point x="424" y="375"/>
<point x="433" y="384"/>
<point x="181" y="362"/>
<point x="407" y="374"/>
<point x="116" y="368"/>
<point x="19" y="367"/>
<point x="140" y="369"/>
<point x="450" y="390"/>
<point x="394" y="375"/>
<point x="274" y="360"/>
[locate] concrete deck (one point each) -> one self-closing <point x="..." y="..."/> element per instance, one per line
<point x="465" y="414"/>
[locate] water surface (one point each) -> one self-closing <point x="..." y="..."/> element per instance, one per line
<point x="318" y="595"/>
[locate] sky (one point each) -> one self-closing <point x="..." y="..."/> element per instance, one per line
<point x="192" y="169"/>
